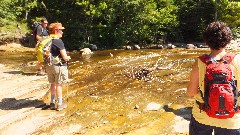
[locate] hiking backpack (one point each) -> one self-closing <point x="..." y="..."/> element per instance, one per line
<point x="34" y="28"/>
<point x="44" y="54"/>
<point x="220" y="88"/>
<point x="32" y="39"/>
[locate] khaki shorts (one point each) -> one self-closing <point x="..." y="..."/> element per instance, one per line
<point x="57" y="74"/>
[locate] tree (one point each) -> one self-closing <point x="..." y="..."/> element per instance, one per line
<point x="194" y="16"/>
<point x="232" y="17"/>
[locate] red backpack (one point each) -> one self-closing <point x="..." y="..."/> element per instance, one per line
<point x="220" y="90"/>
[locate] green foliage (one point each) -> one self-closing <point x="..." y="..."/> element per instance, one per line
<point x="232" y="17"/>
<point x="117" y="22"/>
<point x="112" y="23"/>
<point x="6" y="10"/>
<point x="194" y="16"/>
<point x="16" y="9"/>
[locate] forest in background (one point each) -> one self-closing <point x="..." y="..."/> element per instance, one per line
<point x="113" y="23"/>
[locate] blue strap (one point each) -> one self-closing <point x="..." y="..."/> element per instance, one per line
<point x="210" y="57"/>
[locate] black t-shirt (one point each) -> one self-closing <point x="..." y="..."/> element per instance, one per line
<point x="57" y="45"/>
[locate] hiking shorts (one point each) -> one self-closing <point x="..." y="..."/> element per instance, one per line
<point x="57" y="74"/>
<point x="196" y="128"/>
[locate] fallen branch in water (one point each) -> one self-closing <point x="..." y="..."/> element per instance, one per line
<point x="144" y="73"/>
<point x="141" y="73"/>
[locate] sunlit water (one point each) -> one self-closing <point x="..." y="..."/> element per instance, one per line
<point x="108" y="95"/>
<point x="106" y="98"/>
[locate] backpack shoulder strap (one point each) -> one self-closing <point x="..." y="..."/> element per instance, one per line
<point x="205" y="58"/>
<point x="228" y="57"/>
<point x="36" y="26"/>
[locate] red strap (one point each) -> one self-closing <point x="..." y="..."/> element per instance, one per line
<point x="204" y="58"/>
<point x="227" y="57"/>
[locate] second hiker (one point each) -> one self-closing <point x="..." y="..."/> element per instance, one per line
<point x="40" y="32"/>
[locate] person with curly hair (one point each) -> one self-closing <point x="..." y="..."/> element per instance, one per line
<point x="217" y="36"/>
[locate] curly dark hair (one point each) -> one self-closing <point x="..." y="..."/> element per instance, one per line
<point x="217" y="35"/>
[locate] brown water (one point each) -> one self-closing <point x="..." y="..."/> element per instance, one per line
<point x="104" y="97"/>
<point x="108" y="95"/>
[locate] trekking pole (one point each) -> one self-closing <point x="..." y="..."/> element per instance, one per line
<point x="67" y="90"/>
<point x="67" y="81"/>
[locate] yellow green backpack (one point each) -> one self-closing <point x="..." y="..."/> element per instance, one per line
<point x="44" y="52"/>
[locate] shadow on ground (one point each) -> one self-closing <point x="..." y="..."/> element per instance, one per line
<point x="21" y="72"/>
<point x="182" y="112"/>
<point x="13" y="72"/>
<point x="15" y="104"/>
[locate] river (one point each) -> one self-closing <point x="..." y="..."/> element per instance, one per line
<point x="130" y="91"/>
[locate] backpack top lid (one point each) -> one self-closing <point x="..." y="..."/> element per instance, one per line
<point x="227" y="58"/>
<point x="35" y="25"/>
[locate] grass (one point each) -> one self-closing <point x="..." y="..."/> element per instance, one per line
<point x="12" y="29"/>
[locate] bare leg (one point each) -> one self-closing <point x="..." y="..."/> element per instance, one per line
<point x="59" y="93"/>
<point x="53" y="92"/>
<point x="61" y="105"/>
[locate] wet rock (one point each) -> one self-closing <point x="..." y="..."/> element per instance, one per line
<point x="128" y="47"/>
<point x="159" y="47"/>
<point x="180" y="44"/>
<point x="136" y="47"/>
<point x="136" y="107"/>
<point x="201" y="45"/>
<point x="190" y="46"/>
<point x="170" y="46"/>
<point x="153" y="106"/>
<point x="85" y="51"/>
<point x="75" y="51"/>
<point x="92" y="47"/>
<point x="111" y="54"/>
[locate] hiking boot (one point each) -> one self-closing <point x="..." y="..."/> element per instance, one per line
<point x="52" y="106"/>
<point x="62" y="106"/>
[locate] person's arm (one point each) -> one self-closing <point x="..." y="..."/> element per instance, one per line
<point x="64" y="55"/>
<point x="192" y="88"/>
<point x="38" y="37"/>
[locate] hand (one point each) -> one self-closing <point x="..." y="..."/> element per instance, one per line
<point x="68" y="58"/>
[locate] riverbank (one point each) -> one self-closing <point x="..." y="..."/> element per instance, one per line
<point x="21" y="96"/>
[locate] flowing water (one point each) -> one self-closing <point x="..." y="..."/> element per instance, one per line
<point x="115" y="92"/>
<point x="111" y="90"/>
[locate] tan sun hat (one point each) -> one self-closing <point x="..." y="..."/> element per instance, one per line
<point x="55" y="26"/>
<point x="59" y="27"/>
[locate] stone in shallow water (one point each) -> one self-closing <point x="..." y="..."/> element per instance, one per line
<point x="153" y="106"/>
